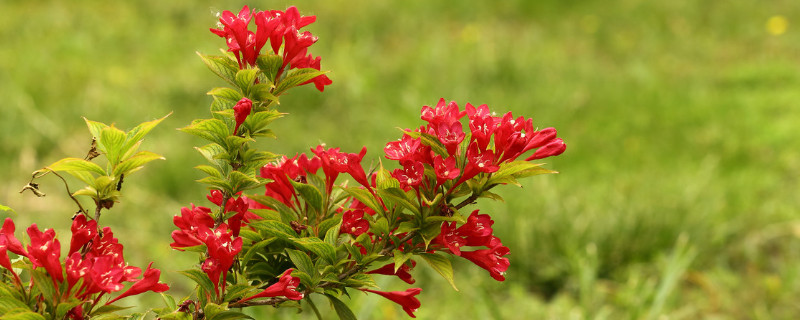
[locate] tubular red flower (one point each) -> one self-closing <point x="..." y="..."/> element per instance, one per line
<point x="190" y="221"/>
<point x="406" y="299"/>
<point x="403" y="149"/>
<point x="82" y="232"/>
<point x="45" y="251"/>
<point x="286" y="287"/>
<point x="7" y="237"/>
<point x="149" y="282"/>
<point x="490" y="259"/>
<point x="402" y="272"/>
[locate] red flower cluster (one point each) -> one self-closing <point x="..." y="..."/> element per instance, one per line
<point x="222" y="243"/>
<point x="95" y="261"/>
<point x="477" y="232"/>
<point x="295" y="169"/>
<point x="492" y="141"/>
<point x="280" y="28"/>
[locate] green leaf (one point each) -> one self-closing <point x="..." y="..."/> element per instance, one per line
<point x="318" y="247"/>
<point x="212" y="309"/>
<point x="295" y="78"/>
<point x="380" y="226"/>
<point x="262" y="92"/>
<point x="230" y="315"/>
<point x="200" y="278"/>
<point x="406" y="226"/>
<point x="429" y="140"/>
<point x="342" y="310"/>
<point x="310" y="194"/>
<point x="137" y="133"/>
<point x="212" y="152"/>
<point x="21" y="314"/>
<point x="274" y="228"/>
<point x="135" y="163"/>
<point x="223" y="66"/>
<point x="95" y="128"/>
<point x="213" y="130"/>
<point x="64" y="307"/>
<point x="44" y="283"/>
<point x="287" y="214"/>
<point x="399" y="196"/>
<point x="363" y="196"/>
<point x="385" y="180"/>
<point x="255" y="249"/>
<point x="209" y="170"/>
<point x="245" y="79"/>
<point x="400" y="258"/>
<point x="238" y="291"/>
<point x="301" y="261"/>
<point x="8" y="303"/>
<point x="510" y="171"/>
<point x="226" y="93"/>
<point x="361" y="280"/>
<point x="257" y="123"/>
<point x="5" y="208"/>
<point x="441" y="265"/>
<point x="169" y="301"/>
<point x="269" y="65"/>
<point x="241" y="182"/>
<point x="113" y="140"/>
<point x="106" y="309"/>
<point x="71" y="165"/>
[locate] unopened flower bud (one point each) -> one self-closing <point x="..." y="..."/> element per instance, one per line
<point x="240" y="111"/>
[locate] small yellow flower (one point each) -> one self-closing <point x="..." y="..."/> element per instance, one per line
<point x="777" y="25"/>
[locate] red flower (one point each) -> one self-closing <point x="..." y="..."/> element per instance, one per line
<point x="353" y="222"/>
<point x="45" y="251"/>
<point x="444" y="112"/>
<point x="449" y="238"/>
<point x="7" y="237"/>
<point x="240" y="111"/>
<point x="189" y="222"/>
<point x="402" y="150"/>
<point x="401" y="273"/>
<point x="286" y="287"/>
<point x="334" y="162"/>
<point x="406" y="299"/>
<point x="82" y="232"/>
<point x="477" y="161"/>
<point x="478" y="229"/>
<point x="411" y="176"/>
<point x="222" y="251"/>
<point x="450" y="135"/>
<point x="240" y="41"/>
<point x="149" y="282"/>
<point x="445" y="169"/>
<point x="490" y="259"/>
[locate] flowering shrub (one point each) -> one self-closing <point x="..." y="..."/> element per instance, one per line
<point x="280" y="229"/>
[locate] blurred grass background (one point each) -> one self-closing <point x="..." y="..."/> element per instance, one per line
<point x="677" y="197"/>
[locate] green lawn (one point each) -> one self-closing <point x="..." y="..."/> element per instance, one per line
<point x="677" y="195"/>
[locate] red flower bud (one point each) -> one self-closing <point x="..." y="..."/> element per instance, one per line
<point x="552" y="148"/>
<point x="240" y="111"/>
